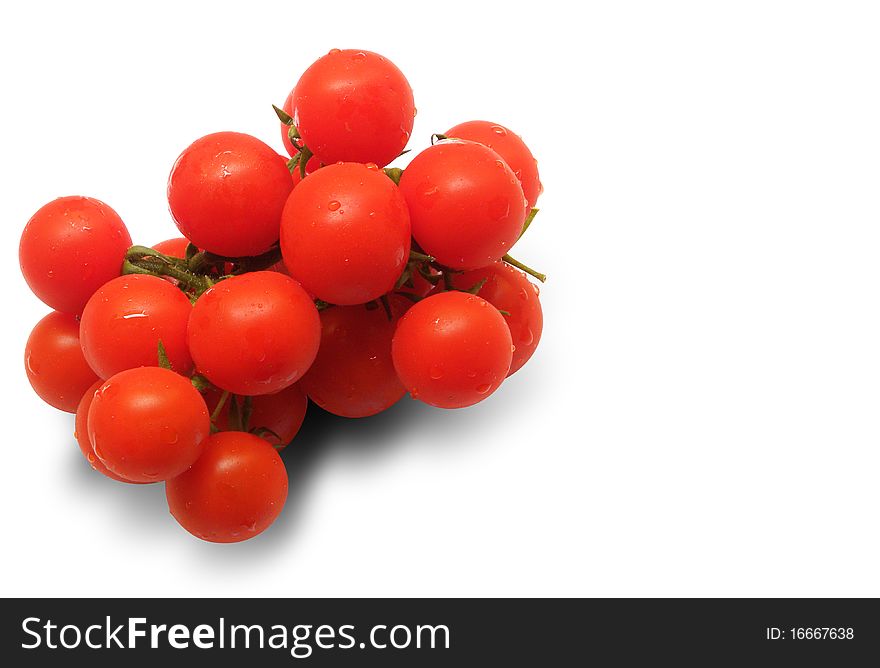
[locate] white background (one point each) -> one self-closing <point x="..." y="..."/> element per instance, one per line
<point x="702" y="415"/>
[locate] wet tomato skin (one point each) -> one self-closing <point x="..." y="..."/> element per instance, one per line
<point x="54" y="362"/>
<point x="466" y="206"/>
<point x="512" y="150"/>
<point x="345" y="233"/>
<point x="254" y="334"/>
<point x="353" y="374"/>
<point x="452" y="349"/>
<point x="508" y="290"/>
<point x="147" y="424"/>
<point x="70" y="248"/>
<point x="81" y="434"/>
<point x="125" y="319"/>
<point x="234" y="492"/>
<point x="226" y="192"/>
<point x="353" y="105"/>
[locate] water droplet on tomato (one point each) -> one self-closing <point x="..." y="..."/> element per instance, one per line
<point x="31" y="365"/>
<point x="499" y="164"/>
<point x="436" y="372"/>
<point x="498" y="130"/>
<point x="169" y="435"/>
<point x="372" y="166"/>
<point x="333" y="52"/>
<point x="523" y="294"/>
<point x="360" y="55"/>
<point x="527" y="336"/>
<point x="333" y="205"/>
<point x="472" y="374"/>
<point x="482" y="389"/>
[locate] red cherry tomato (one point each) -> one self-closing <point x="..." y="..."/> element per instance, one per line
<point x="148" y="424"/>
<point x="282" y="414"/>
<point x="173" y="247"/>
<point x="512" y="150"/>
<point x="355" y="106"/>
<point x="254" y="334"/>
<point x="508" y="289"/>
<point x="125" y="319"/>
<point x="81" y="434"/>
<point x="70" y="248"/>
<point x="54" y="362"/>
<point x="226" y="192"/>
<point x="345" y="234"/>
<point x="233" y="492"/>
<point x="452" y="349"/>
<point x="466" y="205"/>
<point x="353" y="375"/>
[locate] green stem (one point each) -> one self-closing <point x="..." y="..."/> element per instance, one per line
<point x="529" y="219"/>
<point x="305" y="154"/>
<point x="519" y="265"/>
<point x="394" y="173"/>
<point x="219" y="407"/>
<point x="143" y="260"/>
<point x="420" y="257"/>
<point x="282" y="115"/>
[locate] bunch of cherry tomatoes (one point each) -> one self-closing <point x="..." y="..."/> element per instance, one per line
<point x="324" y="276"/>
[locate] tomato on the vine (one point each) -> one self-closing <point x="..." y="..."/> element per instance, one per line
<point x="345" y="233"/>
<point x="452" y="349"/>
<point x="353" y="375"/>
<point x="54" y="362"/>
<point x="126" y="319"/>
<point x="226" y="192"/>
<point x="81" y="434"/>
<point x="510" y="147"/>
<point x="233" y="492"/>
<point x="508" y="290"/>
<point x="466" y="205"/>
<point x="148" y="424"/>
<point x="355" y="106"/>
<point x="70" y="248"/>
<point x="276" y="418"/>
<point x="254" y="334"/>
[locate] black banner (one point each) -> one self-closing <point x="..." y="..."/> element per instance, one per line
<point x="439" y="632"/>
